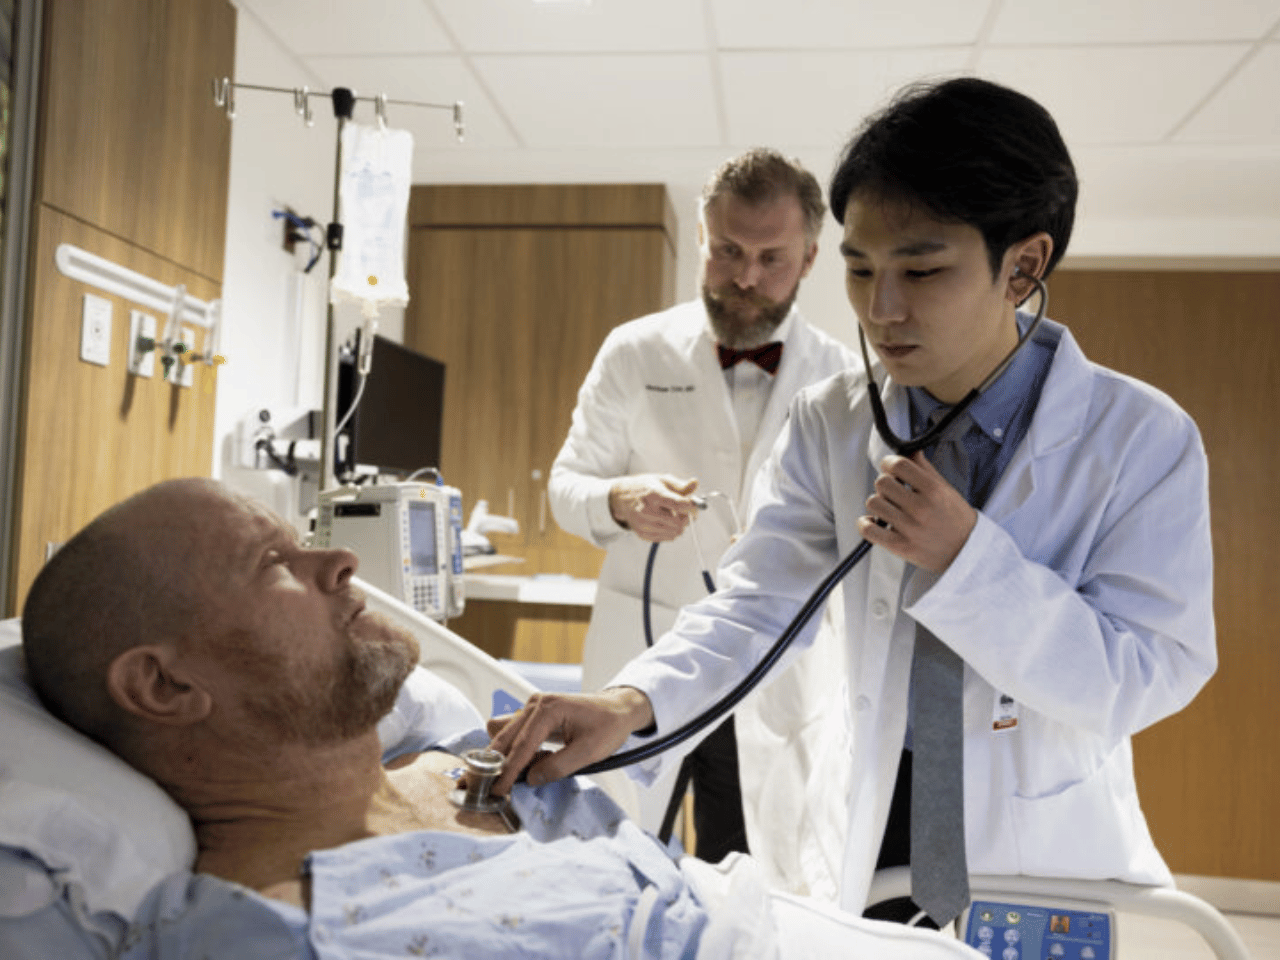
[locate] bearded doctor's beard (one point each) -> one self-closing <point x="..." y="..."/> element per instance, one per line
<point x="743" y="319"/>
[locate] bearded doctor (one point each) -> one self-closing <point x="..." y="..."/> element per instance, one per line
<point x="689" y="401"/>
<point x="1052" y="552"/>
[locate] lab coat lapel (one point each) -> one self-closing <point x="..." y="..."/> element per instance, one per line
<point x="1058" y="421"/>
<point x="887" y="570"/>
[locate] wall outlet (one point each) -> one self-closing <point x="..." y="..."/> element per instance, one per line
<point x="95" y="330"/>
<point x="142" y="343"/>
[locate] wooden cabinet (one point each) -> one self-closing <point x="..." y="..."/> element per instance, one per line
<point x="132" y="165"/>
<point x="515" y="288"/>
<point x="130" y="139"/>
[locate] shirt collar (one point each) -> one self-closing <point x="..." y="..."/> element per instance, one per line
<point x="995" y="409"/>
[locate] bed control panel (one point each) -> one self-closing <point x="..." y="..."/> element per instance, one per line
<point x="1041" y="931"/>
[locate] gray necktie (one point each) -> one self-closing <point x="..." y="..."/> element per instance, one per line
<point x="939" y="874"/>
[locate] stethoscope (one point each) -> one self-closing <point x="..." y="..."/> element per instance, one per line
<point x="819" y="596"/>
<point x="702" y="502"/>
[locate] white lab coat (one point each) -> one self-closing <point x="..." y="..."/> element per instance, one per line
<point x="1084" y="593"/>
<point x="655" y="401"/>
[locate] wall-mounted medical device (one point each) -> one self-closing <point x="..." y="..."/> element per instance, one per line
<point x="408" y="537"/>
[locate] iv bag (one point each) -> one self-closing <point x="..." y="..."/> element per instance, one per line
<point x="373" y="204"/>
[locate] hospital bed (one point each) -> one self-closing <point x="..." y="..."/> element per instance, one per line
<point x="1059" y="896"/>
<point x="493" y="688"/>
<point x="84" y="838"/>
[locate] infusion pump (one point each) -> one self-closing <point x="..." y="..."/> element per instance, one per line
<point x="408" y="537"/>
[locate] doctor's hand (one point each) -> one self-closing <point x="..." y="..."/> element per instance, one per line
<point x="591" y="727"/>
<point x="927" y="521"/>
<point x="655" y="507"/>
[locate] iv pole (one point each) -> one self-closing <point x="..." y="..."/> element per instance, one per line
<point x="344" y="101"/>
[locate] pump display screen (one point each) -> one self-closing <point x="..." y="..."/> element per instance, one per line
<point x="422" y="539"/>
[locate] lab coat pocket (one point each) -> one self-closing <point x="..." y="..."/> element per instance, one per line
<point x="1091" y="829"/>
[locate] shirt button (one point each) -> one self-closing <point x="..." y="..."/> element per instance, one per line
<point x="997" y="433"/>
<point x="863" y="703"/>
<point x="880" y="609"/>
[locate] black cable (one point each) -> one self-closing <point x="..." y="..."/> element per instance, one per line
<point x="289" y="466"/>
<point x="648" y="580"/>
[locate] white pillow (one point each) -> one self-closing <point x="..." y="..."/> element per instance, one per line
<point x="75" y="806"/>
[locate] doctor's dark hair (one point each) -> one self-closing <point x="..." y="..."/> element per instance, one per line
<point x="762" y="174"/>
<point x="967" y="151"/>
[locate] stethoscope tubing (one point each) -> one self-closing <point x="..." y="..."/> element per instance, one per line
<point x="735" y="696"/>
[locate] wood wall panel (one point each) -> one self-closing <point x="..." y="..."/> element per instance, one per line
<point x="540" y="205"/>
<point x="132" y="165"/>
<point x="515" y="287"/>
<point x="130" y="138"/>
<point x="1208" y="777"/>
<point x="93" y="435"/>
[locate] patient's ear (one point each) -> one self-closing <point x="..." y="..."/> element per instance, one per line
<point x="152" y="682"/>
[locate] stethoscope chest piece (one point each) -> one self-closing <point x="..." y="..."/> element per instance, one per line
<point x="483" y="766"/>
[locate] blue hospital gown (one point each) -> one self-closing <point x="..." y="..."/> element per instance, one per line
<point x="587" y="885"/>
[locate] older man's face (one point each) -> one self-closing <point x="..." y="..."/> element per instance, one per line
<point x="754" y="256"/>
<point x="295" y="646"/>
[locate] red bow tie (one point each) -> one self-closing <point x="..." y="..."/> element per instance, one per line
<point x="765" y="357"/>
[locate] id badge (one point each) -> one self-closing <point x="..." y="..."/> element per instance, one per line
<point x="1006" y="713"/>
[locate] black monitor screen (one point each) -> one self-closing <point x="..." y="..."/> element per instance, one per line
<point x="397" y="425"/>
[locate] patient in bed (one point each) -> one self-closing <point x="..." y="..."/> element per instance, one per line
<point x="188" y="632"/>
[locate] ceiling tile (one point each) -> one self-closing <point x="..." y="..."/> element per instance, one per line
<point x="787" y="100"/>
<point x="515" y="26"/>
<point x="1132" y="21"/>
<point x="853" y="24"/>
<point x="1114" y="95"/>
<point x="352" y="26"/>
<point x="1244" y="110"/>
<point x="604" y="101"/>
<point x="440" y="80"/>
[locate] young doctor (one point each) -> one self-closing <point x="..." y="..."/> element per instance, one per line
<point x="1072" y="584"/>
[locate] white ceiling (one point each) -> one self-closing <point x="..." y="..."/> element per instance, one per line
<point x="1169" y="106"/>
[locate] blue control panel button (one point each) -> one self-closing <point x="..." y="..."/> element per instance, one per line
<point x="1014" y="931"/>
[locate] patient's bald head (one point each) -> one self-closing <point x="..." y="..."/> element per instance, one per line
<point x="120" y="581"/>
<point x="188" y="604"/>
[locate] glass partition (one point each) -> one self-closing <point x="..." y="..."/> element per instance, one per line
<point x="19" y="46"/>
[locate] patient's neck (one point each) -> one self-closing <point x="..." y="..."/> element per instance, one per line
<point x="256" y="818"/>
